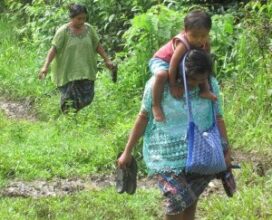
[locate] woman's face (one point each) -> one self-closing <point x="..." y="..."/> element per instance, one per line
<point x="79" y="20"/>
<point x="196" y="79"/>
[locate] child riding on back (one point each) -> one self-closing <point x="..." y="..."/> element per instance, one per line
<point x="164" y="64"/>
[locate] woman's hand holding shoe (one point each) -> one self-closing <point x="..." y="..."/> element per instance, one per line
<point x="124" y="160"/>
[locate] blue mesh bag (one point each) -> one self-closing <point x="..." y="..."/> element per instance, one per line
<point x="205" y="152"/>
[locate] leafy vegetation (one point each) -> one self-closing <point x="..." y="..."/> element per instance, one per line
<point x="57" y="146"/>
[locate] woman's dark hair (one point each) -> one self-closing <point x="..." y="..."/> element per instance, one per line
<point x="76" y="9"/>
<point x="196" y="20"/>
<point x="198" y="62"/>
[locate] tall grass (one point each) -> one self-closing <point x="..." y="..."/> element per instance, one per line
<point x="56" y="145"/>
<point x="77" y="145"/>
<point x="253" y="194"/>
<point x="248" y="92"/>
<point x="19" y="65"/>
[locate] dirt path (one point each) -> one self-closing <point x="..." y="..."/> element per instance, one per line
<point x="17" y="109"/>
<point x="61" y="187"/>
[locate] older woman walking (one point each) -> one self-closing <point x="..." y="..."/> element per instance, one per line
<point x="75" y="47"/>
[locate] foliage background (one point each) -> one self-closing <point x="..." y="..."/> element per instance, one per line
<point x="57" y="146"/>
<point x="241" y="42"/>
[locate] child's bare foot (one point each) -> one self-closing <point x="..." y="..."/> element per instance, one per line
<point x="208" y="95"/>
<point x="157" y="113"/>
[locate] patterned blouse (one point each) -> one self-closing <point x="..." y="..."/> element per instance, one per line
<point x="165" y="148"/>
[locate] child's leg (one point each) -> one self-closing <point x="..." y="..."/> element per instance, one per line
<point x="157" y="92"/>
<point x="205" y="91"/>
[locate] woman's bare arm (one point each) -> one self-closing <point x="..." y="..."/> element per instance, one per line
<point x="137" y="132"/>
<point x="50" y="56"/>
<point x="223" y="131"/>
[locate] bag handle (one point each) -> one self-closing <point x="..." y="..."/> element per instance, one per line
<point x="188" y="102"/>
<point x="190" y="115"/>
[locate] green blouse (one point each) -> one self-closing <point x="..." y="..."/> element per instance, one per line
<point x="76" y="56"/>
<point x="165" y="147"/>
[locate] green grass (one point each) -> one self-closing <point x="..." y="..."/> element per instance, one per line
<point x="57" y="146"/>
<point x="252" y="201"/>
<point x="96" y="205"/>
<point x="44" y="150"/>
<point x="248" y="120"/>
<point x="19" y="66"/>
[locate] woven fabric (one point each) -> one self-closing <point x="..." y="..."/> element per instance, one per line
<point x="165" y="146"/>
<point x="205" y="152"/>
<point x="76" y="94"/>
<point x="181" y="191"/>
<point x="157" y="65"/>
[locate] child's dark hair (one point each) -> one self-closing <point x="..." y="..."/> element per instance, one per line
<point x="197" y="19"/>
<point x="76" y="9"/>
<point x="198" y="62"/>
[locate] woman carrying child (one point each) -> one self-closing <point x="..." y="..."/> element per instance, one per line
<point x="164" y="64"/>
<point x="165" y="146"/>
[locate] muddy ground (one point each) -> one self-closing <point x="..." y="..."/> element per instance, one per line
<point x="17" y="109"/>
<point x="60" y="187"/>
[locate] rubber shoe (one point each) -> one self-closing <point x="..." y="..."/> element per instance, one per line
<point x="229" y="183"/>
<point x="121" y="180"/>
<point x="114" y="74"/>
<point x="126" y="179"/>
<point x="131" y="184"/>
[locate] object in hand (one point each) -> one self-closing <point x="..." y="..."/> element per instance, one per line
<point x="126" y="178"/>
<point x="114" y="73"/>
<point x="229" y="183"/>
<point x="228" y="180"/>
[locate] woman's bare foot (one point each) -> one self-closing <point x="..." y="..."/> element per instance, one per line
<point x="208" y="95"/>
<point x="157" y="113"/>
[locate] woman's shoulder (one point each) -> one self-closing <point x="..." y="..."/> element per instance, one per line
<point x="62" y="28"/>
